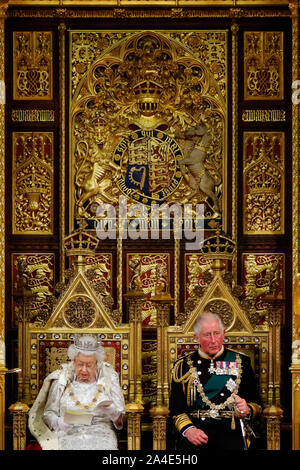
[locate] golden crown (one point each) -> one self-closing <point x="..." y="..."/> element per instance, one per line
<point x="81" y="242"/>
<point x="218" y="246"/>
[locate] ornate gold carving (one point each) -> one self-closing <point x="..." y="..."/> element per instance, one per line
<point x="2" y="403"/>
<point x="98" y="269"/>
<point x="19" y="412"/>
<point x="54" y="358"/>
<point x="234" y="204"/>
<point x="159" y="415"/>
<point x="294" y="9"/>
<point x="150" y="273"/>
<point x="262" y="274"/>
<point x="32" y="115"/>
<point x="37" y="275"/>
<point x="149" y="371"/>
<point x="62" y="144"/>
<point x="218" y="247"/>
<point x="33" y="182"/>
<point x="80" y="312"/>
<point x="163" y="303"/>
<point x="296" y="322"/>
<point x="134" y="412"/>
<point x="264" y="183"/>
<point x="2" y="217"/>
<point x="264" y="115"/>
<point x="273" y="416"/>
<point x="222" y="308"/>
<point x="135" y="299"/>
<point x="263" y="65"/>
<point x="161" y="86"/>
<point x="195" y="267"/>
<point x="126" y="9"/>
<point x="33" y="65"/>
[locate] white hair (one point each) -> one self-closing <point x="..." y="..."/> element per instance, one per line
<point x="207" y="316"/>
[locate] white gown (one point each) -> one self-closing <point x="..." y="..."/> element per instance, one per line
<point x="100" y="435"/>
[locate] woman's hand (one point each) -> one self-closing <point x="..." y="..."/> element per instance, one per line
<point x="60" y="425"/>
<point x="109" y="411"/>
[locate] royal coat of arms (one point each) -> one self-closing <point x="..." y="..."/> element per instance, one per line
<point x="148" y="120"/>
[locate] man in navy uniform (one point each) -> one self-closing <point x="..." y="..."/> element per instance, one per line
<point x="214" y="395"/>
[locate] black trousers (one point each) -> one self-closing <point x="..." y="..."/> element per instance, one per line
<point x="220" y="435"/>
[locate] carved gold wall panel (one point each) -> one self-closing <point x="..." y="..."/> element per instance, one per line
<point x="151" y="274"/>
<point x="263" y="273"/>
<point x="263" y="180"/>
<point x="134" y="97"/>
<point x="33" y="175"/>
<point x="195" y="266"/>
<point x="100" y="271"/>
<point x="33" y="68"/>
<point x="39" y="279"/>
<point x="149" y="371"/>
<point x="263" y="65"/>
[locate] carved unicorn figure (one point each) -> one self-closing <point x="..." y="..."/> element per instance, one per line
<point x="193" y="165"/>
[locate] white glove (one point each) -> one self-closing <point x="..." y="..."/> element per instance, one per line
<point x="60" y="425"/>
<point x="110" y="412"/>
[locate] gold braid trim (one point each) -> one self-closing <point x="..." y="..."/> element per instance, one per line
<point x="179" y="377"/>
<point x="191" y="391"/>
<point x="181" y="421"/>
<point x="177" y="372"/>
<point x="256" y="409"/>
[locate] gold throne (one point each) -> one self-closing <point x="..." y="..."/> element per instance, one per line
<point x="79" y="306"/>
<point x="244" y="331"/>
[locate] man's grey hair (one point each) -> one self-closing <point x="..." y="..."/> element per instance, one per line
<point x="204" y="317"/>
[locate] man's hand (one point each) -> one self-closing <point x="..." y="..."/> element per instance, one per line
<point x="241" y="405"/>
<point x="196" y="436"/>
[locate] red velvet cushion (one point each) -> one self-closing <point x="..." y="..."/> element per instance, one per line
<point x="35" y="446"/>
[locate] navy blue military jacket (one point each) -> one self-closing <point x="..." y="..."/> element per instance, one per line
<point x="199" y="383"/>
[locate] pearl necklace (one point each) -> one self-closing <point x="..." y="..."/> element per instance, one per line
<point x="78" y="403"/>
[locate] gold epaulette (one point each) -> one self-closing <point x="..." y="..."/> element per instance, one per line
<point x="177" y="373"/>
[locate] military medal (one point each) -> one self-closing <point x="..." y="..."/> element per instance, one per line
<point x="211" y="368"/>
<point x="231" y="385"/>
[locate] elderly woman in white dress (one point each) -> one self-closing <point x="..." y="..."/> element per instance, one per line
<point x="86" y="390"/>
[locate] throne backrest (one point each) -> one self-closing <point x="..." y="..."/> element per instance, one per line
<point x="48" y="350"/>
<point x="79" y="309"/>
<point x="242" y="334"/>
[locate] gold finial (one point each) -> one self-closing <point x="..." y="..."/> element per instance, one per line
<point x="80" y="243"/>
<point x="218" y="246"/>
